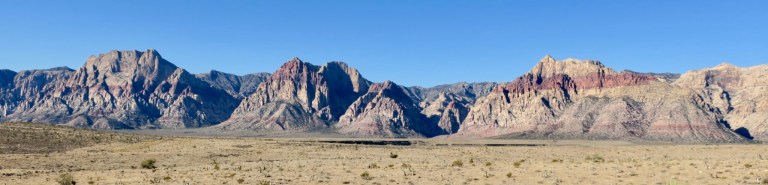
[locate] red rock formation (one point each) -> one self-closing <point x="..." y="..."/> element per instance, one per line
<point x="584" y="99"/>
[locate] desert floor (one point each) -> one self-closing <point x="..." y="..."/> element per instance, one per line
<point x="198" y="160"/>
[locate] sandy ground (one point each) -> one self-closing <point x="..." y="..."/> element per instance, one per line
<point x="291" y="161"/>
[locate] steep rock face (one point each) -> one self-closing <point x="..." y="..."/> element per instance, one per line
<point x="6" y="96"/>
<point x="664" y="77"/>
<point x="386" y="110"/>
<point x="448" y="105"/>
<point x="739" y="95"/>
<point x="469" y="91"/>
<point x="31" y="87"/>
<point x="584" y="99"/>
<point x="237" y="86"/>
<point x="6" y="78"/>
<point x="447" y="110"/>
<point x="452" y="116"/>
<point x="316" y="95"/>
<point x="122" y="89"/>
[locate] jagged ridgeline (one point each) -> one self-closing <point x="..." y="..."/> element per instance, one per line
<point x="567" y="99"/>
<point x="116" y="90"/>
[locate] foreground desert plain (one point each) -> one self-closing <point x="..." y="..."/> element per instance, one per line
<point x="38" y="154"/>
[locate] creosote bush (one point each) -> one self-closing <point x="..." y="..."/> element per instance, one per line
<point x="373" y="165"/>
<point x="457" y="163"/>
<point x="148" y="164"/>
<point x="518" y="163"/>
<point x="366" y="176"/>
<point x="595" y="158"/>
<point x="66" y="179"/>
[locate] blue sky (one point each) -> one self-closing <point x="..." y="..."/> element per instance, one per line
<point x="409" y="42"/>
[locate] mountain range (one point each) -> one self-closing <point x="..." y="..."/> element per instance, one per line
<point x="556" y="99"/>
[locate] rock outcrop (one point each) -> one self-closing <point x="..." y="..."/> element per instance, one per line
<point x="30" y="88"/>
<point x="119" y="89"/>
<point x="469" y="91"/>
<point x="386" y="110"/>
<point x="6" y="78"/>
<point x="738" y="95"/>
<point x="237" y="86"/>
<point x="448" y="105"/>
<point x="585" y="99"/>
<point x="447" y="110"/>
<point x="299" y="96"/>
<point x="7" y="98"/>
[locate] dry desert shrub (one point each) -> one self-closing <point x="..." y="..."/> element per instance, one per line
<point x="148" y="164"/>
<point x="66" y="179"/>
<point x="457" y="163"/>
<point x="518" y="163"/>
<point x="366" y="176"/>
<point x="595" y="158"/>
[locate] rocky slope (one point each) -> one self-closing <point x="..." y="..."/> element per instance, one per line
<point x="237" y="86"/>
<point x="448" y="105"/>
<point x="119" y="89"/>
<point x="470" y="91"/>
<point x="447" y="110"/>
<point x="738" y="95"/>
<point x="386" y="110"/>
<point x="30" y="87"/>
<point x="585" y="99"/>
<point x="299" y="96"/>
<point x="7" y="100"/>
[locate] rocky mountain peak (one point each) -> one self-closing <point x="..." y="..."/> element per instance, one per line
<point x="6" y="77"/>
<point x="61" y="68"/>
<point x="385" y="85"/>
<point x="725" y="65"/>
<point x="386" y="110"/>
<point x="585" y="99"/>
<point x="237" y="86"/>
<point x="390" y="89"/>
<point x="116" y="59"/>
<point x="131" y="70"/>
<point x="294" y="68"/>
<point x="120" y="89"/>
<point x="318" y="93"/>
<point x="214" y="72"/>
<point x="341" y="71"/>
<point x="547" y="59"/>
<point x="549" y="67"/>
